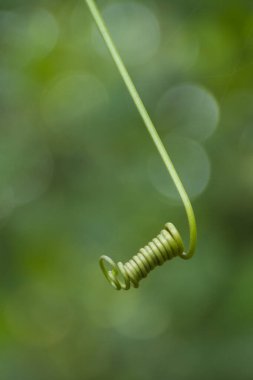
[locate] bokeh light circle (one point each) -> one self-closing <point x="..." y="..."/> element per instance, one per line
<point x="136" y="318"/>
<point x="135" y="29"/>
<point x="71" y="98"/>
<point x="189" y="109"/>
<point x="31" y="34"/>
<point x="190" y="160"/>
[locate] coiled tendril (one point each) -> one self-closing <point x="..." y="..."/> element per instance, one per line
<point x="165" y="246"/>
<point x="168" y="243"/>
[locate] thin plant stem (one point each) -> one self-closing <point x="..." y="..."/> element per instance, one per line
<point x="148" y="123"/>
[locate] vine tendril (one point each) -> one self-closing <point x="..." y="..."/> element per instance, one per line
<point x="134" y="270"/>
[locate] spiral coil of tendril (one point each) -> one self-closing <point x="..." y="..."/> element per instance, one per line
<point x="165" y="246"/>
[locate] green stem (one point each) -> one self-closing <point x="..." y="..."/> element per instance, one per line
<point x="148" y="123"/>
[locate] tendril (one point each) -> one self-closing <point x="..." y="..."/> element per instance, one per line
<point x="140" y="265"/>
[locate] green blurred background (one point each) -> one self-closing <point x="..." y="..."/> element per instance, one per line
<point x="80" y="177"/>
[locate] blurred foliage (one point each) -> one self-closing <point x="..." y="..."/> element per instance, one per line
<point x="80" y="177"/>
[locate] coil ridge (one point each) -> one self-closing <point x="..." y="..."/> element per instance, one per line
<point x="166" y="245"/>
